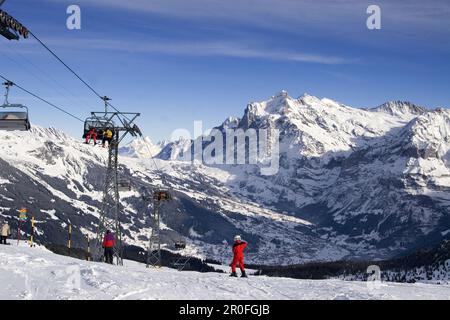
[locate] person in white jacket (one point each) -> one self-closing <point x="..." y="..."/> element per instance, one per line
<point x="5" y="232"/>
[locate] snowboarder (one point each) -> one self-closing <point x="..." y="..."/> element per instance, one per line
<point x="108" y="244"/>
<point x="5" y="232"/>
<point x="92" y="135"/>
<point x="107" y="136"/>
<point x="238" y="256"/>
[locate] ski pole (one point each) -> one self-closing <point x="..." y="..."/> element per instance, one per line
<point x="69" y="244"/>
<point x="88" y="249"/>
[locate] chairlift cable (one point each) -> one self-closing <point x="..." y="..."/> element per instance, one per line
<point x="42" y="76"/>
<point x="151" y="156"/>
<point x="67" y="66"/>
<point x="43" y="100"/>
<point x="73" y="72"/>
<point x="88" y="86"/>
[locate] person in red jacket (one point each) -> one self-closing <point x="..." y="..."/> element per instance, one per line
<point x="238" y="256"/>
<point x="92" y="135"/>
<point x="108" y="244"/>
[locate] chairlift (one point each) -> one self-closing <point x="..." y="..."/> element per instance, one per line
<point x="13" y="117"/>
<point x="124" y="185"/>
<point x="181" y="244"/>
<point x="100" y="125"/>
<point x="7" y="33"/>
<point x="162" y="195"/>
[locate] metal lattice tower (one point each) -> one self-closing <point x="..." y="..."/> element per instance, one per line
<point x="109" y="218"/>
<point x="154" y="247"/>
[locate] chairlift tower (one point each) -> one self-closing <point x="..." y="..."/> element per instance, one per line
<point x="154" y="247"/>
<point x="121" y="124"/>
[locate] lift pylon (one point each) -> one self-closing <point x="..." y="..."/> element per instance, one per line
<point x="154" y="247"/>
<point x="110" y="210"/>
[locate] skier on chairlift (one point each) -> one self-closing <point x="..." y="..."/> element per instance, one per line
<point x="107" y="136"/>
<point x="108" y="244"/>
<point x="92" y="135"/>
<point x="238" y="256"/>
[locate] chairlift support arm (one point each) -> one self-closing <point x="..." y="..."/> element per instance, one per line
<point x="8" y="85"/>
<point x="124" y="120"/>
<point x="10" y="28"/>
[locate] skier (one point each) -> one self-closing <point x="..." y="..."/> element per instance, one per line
<point x="5" y="232"/>
<point x="238" y="256"/>
<point x="108" y="245"/>
<point x="107" y="136"/>
<point x="92" y="135"/>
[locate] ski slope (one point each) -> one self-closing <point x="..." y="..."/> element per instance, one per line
<point x="35" y="273"/>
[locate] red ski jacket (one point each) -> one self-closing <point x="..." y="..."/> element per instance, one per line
<point x="238" y="249"/>
<point x="109" y="241"/>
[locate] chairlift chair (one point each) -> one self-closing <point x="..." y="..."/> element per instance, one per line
<point x="13" y="117"/>
<point x="8" y="34"/>
<point x="16" y="119"/>
<point x="99" y="124"/>
<point x="124" y="185"/>
<point x="181" y="244"/>
<point x="162" y="195"/>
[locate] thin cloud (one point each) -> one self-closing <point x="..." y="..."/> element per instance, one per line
<point x="332" y="15"/>
<point x="195" y="48"/>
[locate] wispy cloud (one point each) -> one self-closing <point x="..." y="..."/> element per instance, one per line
<point x="194" y="48"/>
<point x="218" y="48"/>
<point x="332" y="15"/>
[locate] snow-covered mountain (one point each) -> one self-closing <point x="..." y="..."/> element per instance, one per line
<point x="352" y="183"/>
<point x="60" y="180"/>
<point x="142" y="148"/>
<point x="375" y="180"/>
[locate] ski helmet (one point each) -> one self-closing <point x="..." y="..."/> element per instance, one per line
<point x="237" y="238"/>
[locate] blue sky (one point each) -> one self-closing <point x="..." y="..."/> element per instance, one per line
<point x="177" y="61"/>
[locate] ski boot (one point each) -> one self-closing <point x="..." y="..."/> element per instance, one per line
<point x="233" y="274"/>
<point x="244" y="275"/>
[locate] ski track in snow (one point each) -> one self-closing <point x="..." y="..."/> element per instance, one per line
<point x="36" y="273"/>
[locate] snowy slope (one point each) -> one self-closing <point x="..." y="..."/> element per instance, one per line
<point x="35" y="273"/>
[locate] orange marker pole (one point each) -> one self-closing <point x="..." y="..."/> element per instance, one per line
<point x="32" y="232"/>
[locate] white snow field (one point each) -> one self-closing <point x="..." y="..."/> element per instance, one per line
<point x="36" y="273"/>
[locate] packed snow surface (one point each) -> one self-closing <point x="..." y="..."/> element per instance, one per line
<point x="35" y="273"/>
